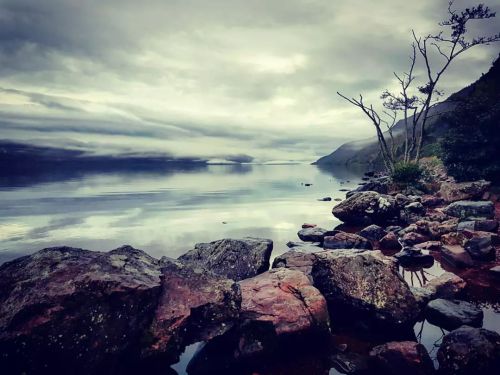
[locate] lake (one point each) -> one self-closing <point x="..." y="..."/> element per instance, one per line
<point x="167" y="212"/>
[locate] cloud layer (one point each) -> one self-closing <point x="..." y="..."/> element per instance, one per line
<point x="207" y="78"/>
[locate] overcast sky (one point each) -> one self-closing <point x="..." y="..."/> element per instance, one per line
<point x="208" y="78"/>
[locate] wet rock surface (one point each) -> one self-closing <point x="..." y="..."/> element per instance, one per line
<point x="373" y="232"/>
<point x="401" y="357"/>
<point x="235" y="259"/>
<point x="451" y="314"/>
<point x="467" y="351"/>
<point x="313" y="234"/>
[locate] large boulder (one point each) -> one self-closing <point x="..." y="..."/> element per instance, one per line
<point x="469" y="351"/>
<point x="343" y="240"/>
<point x="367" y="207"/>
<point x="287" y="299"/>
<point x="470" y="209"/>
<point x="453" y="191"/>
<point x="235" y="259"/>
<point x="295" y="260"/>
<point x="194" y="305"/>
<point x="364" y="287"/>
<point x="401" y="357"/>
<point x="451" y="314"/>
<point x="66" y="308"/>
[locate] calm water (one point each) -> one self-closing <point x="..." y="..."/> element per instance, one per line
<point x="167" y="213"/>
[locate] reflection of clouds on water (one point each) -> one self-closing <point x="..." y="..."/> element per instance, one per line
<point x="166" y="214"/>
<point x="12" y="231"/>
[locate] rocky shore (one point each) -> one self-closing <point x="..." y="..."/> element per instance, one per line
<point x="68" y="310"/>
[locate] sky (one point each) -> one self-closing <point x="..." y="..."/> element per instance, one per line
<point x="217" y="79"/>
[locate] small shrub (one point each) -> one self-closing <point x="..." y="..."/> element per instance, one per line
<point x="407" y="173"/>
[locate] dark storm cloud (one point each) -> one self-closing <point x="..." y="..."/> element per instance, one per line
<point x="207" y="78"/>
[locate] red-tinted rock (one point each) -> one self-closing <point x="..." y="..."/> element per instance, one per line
<point x="456" y="255"/>
<point x="67" y="309"/>
<point x="447" y="285"/>
<point x="429" y="245"/>
<point x="401" y="357"/>
<point x="390" y="242"/>
<point x="194" y="305"/>
<point x="413" y="238"/>
<point x="453" y="239"/>
<point x="295" y="260"/>
<point x="432" y="201"/>
<point x="287" y="299"/>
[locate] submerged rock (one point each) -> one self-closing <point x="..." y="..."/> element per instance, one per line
<point x="343" y="240"/>
<point x="401" y="357"/>
<point x="64" y="308"/>
<point x="468" y="209"/>
<point x="451" y="314"/>
<point x="453" y="191"/>
<point x="287" y="299"/>
<point x="366" y="207"/>
<point x="235" y="259"/>
<point x="469" y="351"/>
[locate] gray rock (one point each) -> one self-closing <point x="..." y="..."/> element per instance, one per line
<point x="467" y="209"/>
<point x="380" y="185"/>
<point x="411" y="257"/>
<point x="372" y="232"/>
<point x="343" y="240"/>
<point x="452" y="191"/>
<point x="451" y="314"/>
<point x="366" y="207"/>
<point x="235" y="259"/>
<point x="469" y="351"/>
<point x="365" y="288"/>
<point x="448" y="285"/>
<point x="480" y="247"/>
<point x="315" y="234"/>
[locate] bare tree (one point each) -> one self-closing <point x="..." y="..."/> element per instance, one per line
<point x="415" y="108"/>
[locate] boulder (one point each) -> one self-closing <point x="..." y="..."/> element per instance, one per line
<point x="364" y="288"/>
<point x="451" y="314"/>
<point x="325" y="199"/>
<point x="298" y="261"/>
<point x="65" y="307"/>
<point x="469" y="351"/>
<point x="343" y="240"/>
<point x="366" y="207"/>
<point x="307" y="225"/>
<point x="307" y="247"/>
<point x="314" y="234"/>
<point x="287" y="299"/>
<point x="194" y="305"/>
<point x="413" y="238"/>
<point x="447" y="285"/>
<point x="468" y="209"/>
<point x="412" y="257"/>
<point x="235" y="259"/>
<point x="453" y="191"/>
<point x="372" y="232"/>
<point x="390" y="242"/>
<point x="483" y="225"/>
<point x="456" y="255"/>
<point x="412" y="212"/>
<point x="380" y="185"/>
<point x="429" y="245"/>
<point x="401" y="357"/>
<point x="453" y="239"/>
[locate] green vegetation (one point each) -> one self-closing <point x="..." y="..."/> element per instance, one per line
<point x="408" y="173"/>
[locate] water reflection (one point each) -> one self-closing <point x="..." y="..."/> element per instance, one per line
<point x="164" y="212"/>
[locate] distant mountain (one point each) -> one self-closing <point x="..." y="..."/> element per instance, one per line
<point x="365" y="153"/>
<point x="21" y="163"/>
